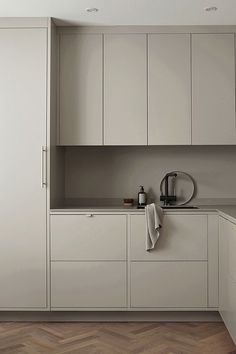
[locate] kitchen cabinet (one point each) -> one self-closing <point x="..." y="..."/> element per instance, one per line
<point x="88" y="261"/>
<point x="146" y="89"/>
<point x="88" y="237"/>
<point x="169" y="284"/>
<point x="98" y="260"/>
<point x="175" y="273"/>
<point x="213" y="89"/>
<point x="169" y="89"/>
<point x="88" y="285"/>
<point x="227" y="274"/>
<point x="125" y="89"/>
<point x="183" y="238"/>
<point x="80" y="89"/>
<point x="23" y="112"/>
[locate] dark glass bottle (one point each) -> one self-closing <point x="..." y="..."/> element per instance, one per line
<point x="142" y="198"/>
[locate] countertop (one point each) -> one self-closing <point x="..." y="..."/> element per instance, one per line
<point x="226" y="211"/>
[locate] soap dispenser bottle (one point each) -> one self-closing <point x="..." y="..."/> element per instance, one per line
<point x="142" y="198"/>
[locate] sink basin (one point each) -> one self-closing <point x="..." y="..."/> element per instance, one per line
<point x="179" y="207"/>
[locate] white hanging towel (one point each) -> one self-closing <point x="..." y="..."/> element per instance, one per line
<point x="154" y="217"/>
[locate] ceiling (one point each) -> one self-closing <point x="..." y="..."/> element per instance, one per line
<point x="124" y="12"/>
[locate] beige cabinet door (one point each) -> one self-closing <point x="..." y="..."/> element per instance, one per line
<point x="224" y="225"/>
<point x="213" y="89"/>
<point x="183" y="237"/>
<point x="23" y="72"/>
<point x="88" y="237"/>
<point x="88" y="284"/>
<point x="169" y="284"/>
<point x="125" y="89"/>
<point x="227" y="272"/>
<point x="80" y="87"/>
<point x="169" y="89"/>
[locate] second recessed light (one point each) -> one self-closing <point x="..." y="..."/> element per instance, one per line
<point x="92" y="9"/>
<point x="211" y="8"/>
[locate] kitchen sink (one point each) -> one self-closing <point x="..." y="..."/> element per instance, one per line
<point x="179" y="207"/>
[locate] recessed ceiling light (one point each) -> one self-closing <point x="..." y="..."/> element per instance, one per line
<point x="92" y="9"/>
<point x="211" y="8"/>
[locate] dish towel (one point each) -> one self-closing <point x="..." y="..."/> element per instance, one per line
<point x="154" y="216"/>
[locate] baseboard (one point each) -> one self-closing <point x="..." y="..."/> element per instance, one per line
<point x="116" y="316"/>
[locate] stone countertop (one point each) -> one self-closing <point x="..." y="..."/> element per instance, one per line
<point x="226" y="211"/>
<point x="101" y="209"/>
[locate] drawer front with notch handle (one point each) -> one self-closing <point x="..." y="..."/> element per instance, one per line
<point x="183" y="237"/>
<point x="88" y="237"/>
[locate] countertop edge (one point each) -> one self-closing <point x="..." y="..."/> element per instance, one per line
<point x="226" y="211"/>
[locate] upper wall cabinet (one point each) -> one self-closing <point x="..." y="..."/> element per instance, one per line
<point x="80" y="89"/>
<point x="169" y="89"/>
<point x="125" y="89"/>
<point x="213" y="89"/>
<point x="137" y="89"/>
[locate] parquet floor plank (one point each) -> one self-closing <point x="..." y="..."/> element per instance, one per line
<point x="115" y="338"/>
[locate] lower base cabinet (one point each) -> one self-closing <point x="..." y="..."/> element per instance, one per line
<point x="227" y="275"/>
<point x="169" y="284"/>
<point x="99" y="261"/>
<point x="228" y="308"/>
<point x="175" y="273"/>
<point x="88" y="261"/>
<point x="88" y="284"/>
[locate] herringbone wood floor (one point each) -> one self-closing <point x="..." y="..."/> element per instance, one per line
<point x="115" y="338"/>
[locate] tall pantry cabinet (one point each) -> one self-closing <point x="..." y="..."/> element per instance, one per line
<point x="23" y="180"/>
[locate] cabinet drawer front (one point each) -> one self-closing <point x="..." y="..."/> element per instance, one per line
<point x="88" y="284"/>
<point x="228" y="308"/>
<point x="169" y="284"/>
<point x="228" y="248"/>
<point x="183" y="237"/>
<point x="86" y="237"/>
<point x="232" y="252"/>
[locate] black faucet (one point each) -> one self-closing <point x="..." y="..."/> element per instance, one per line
<point x="166" y="198"/>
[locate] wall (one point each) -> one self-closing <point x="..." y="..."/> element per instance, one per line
<point x="117" y="172"/>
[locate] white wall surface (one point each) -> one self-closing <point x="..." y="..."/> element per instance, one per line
<point x="117" y="172"/>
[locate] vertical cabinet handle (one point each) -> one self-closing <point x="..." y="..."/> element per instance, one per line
<point x="43" y="167"/>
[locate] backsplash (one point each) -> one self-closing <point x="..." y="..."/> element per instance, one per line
<point x="117" y="172"/>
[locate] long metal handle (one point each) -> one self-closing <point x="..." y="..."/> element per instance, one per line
<point x="43" y="167"/>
